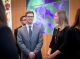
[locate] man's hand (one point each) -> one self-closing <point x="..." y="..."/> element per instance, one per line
<point x="31" y="55"/>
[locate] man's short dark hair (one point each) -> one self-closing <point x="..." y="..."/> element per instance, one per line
<point x="29" y="12"/>
<point x="21" y="18"/>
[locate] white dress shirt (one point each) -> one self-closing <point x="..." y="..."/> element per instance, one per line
<point x="28" y="27"/>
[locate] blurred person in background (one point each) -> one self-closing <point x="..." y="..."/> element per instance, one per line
<point x="72" y="45"/>
<point x="8" y="48"/>
<point x="23" y="23"/>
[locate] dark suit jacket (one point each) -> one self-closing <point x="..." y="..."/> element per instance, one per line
<point x="16" y="31"/>
<point x="7" y="45"/>
<point x="71" y="46"/>
<point x="15" y="34"/>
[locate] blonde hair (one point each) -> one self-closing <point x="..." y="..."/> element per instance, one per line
<point x="62" y="17"/>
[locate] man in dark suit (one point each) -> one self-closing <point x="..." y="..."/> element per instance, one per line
<point x="30" y="39"/>
<point x="23" y="22"/>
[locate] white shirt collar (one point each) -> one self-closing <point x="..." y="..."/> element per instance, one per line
<point x="28" y="27"/>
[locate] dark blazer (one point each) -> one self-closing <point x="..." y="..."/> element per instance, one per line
<point x="27" y="45"/>
<point x="16" y="31"/>
<point x="71" y="46"/>
<point x="7" y="45"/>
<point x="15" y="34"/>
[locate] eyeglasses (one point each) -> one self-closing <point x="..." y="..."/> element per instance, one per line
<point x="30" y="16"/>
<point x="23" y="20"/>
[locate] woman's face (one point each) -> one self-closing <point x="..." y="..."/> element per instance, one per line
<point x="56" y="17"/>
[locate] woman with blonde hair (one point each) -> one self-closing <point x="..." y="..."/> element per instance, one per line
<point x="59" y="33"/>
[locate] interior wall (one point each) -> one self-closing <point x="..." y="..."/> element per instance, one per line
<point x="74" y="5"/>
<point x="19" y="9"/>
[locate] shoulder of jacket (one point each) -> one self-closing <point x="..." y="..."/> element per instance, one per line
<point x="21" y="28"/>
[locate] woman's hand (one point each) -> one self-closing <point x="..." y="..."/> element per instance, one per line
<point x="51" y="56"/>
<point x="49" y="52"/>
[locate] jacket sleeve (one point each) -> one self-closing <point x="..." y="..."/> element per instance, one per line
<point x="21" y="44"/>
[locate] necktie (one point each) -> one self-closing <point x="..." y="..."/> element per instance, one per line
<point x="30" y="32"/>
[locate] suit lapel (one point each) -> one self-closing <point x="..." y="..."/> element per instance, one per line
<point x="26" y="32"/>
<point x="33" y="31"/>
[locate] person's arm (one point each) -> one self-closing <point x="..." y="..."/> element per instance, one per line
<point x="65" y="38"/>
<point x="49" y="52"/>
<point x="21" y="44"/>
<point x="53" y="55"/>
<point x="7" y="44"/>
